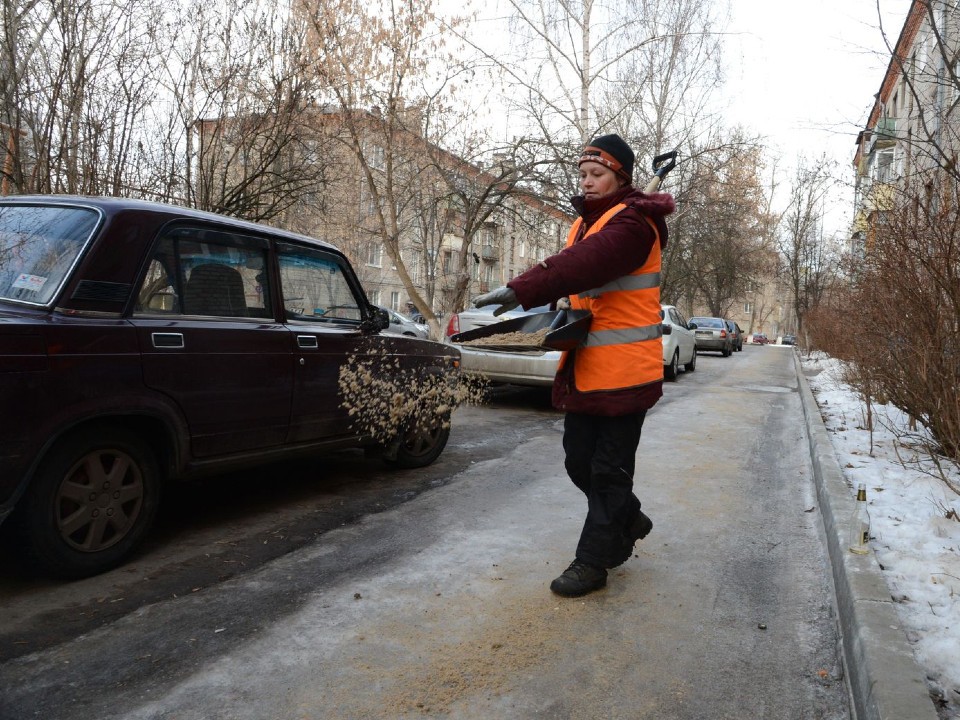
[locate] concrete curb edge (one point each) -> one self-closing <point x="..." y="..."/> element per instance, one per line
<point x="886" y="683"/>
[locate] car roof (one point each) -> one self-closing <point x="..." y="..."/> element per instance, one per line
<point x="111" y="206"/>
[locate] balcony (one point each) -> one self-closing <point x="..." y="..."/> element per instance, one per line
<point x="886" y="132"/>
<point x="490" y="253"/>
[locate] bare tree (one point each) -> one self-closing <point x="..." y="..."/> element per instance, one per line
<point x="575" y="69"/>
<point x="720" y="242"/>
<point x="239" y="140"/>
<point x="418" y="171"/>
<point x="810" y="261"/>
<point x="78" y="75"/>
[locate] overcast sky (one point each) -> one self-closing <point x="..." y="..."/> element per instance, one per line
<point x="805" y="73"/>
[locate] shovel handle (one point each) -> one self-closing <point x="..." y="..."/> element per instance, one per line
<point x="662" y="164"/>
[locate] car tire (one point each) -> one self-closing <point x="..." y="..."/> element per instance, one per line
<point x="692" y="365"/>
<point x="420" y="443"/>
<point x="93" y="498"/>
<point x="671" y="371"/>
<point x="726" y="352"/>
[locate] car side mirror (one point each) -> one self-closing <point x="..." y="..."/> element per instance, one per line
<point x="691" y="326"/>
<point x="379" y="321"/>
<point x="667" y="329"/>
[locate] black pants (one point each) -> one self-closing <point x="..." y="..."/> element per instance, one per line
<point x="600" y="459"/>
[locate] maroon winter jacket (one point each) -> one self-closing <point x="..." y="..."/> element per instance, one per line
<point x="619" y="248"/>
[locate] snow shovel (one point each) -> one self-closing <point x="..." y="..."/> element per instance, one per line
<point x="662" y="164"/>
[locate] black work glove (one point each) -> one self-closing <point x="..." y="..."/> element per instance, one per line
<point x="502" y="296"/>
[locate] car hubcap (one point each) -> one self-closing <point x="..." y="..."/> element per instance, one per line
<point x="421" y="438"/>
<point x="99" y="500"/>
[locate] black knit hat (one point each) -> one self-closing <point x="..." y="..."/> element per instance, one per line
<point x="611" y="151"/>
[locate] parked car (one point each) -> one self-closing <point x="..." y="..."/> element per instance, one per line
<point x="736" y="335"/>
<point x="400" y="325"/>
<point x="788" y="340"/>
<point x="712" y="334"/>
<point x="536" y="366"/>
<point x="143" y="343"/>
<point x="759" y="339"/>
<point x="679" y="343"/>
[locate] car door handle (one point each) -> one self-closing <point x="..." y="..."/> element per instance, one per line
<point x="307" y="341"/>
<point x="167" y="340"/>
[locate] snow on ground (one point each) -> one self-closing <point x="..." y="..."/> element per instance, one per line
<point x="914" y="540"/>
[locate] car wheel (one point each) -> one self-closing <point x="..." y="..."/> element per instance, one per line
<point x="725" y="352"/>
<point x="92" y="500"/>
<point x="692" y="365"/>
<point x="671" y="371"/>
<point x="420" y="444"/>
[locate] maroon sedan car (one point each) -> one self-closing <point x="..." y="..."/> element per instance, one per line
<point x="141" y="343"/>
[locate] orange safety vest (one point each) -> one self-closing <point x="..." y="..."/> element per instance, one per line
<point x="623" y="348"/>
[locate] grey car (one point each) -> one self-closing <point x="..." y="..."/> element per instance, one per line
<point x="713" y="335"/>
<point x="400" y="325"/>
<point x="736" y="335"/>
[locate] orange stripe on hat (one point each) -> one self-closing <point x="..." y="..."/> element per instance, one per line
<point x="595" y="154"/>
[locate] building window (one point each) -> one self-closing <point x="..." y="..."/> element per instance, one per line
<point x="374" y="254"/>
<point x="748" y="307"/>
<point x="394" y="300"/>
<point x="375" y="297"/>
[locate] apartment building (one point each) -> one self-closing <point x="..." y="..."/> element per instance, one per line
<point x="909" y="145"/>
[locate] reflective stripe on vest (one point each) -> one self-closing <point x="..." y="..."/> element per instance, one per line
<point x="623" y="348"/>
<point x="628" y="282"/>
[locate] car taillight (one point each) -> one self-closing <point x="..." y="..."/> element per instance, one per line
<point x="723" y="333"/>
<point x="453" y="326"/>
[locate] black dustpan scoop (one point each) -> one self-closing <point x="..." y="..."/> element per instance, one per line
<point x="565" y="330"/>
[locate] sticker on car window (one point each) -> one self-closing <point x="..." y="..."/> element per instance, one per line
<point x="25" y="281"/>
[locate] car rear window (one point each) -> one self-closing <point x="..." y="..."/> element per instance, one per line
<point x="708" y="322"/>
<point x="38" y="247"/>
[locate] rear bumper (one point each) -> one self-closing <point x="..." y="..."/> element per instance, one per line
<point x="537" y="369"/>
<point x="711" y="344"/>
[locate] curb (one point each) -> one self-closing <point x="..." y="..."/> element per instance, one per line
<point x="885" y="681"/>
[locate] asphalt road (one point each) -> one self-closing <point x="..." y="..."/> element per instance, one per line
<point x="336" y="589"/>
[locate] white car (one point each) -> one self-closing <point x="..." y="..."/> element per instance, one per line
<point x="679" y="343"/>
<point x="535" y="366"/>
<point x="400" y="325"/>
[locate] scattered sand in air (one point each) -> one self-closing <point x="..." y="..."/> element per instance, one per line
<point x="383" y="395"/>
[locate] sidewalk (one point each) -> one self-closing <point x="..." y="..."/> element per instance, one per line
<point x="885" y="681"/>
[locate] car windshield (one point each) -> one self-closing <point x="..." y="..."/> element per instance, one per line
<point x="38" y="247"/>
<point x="708" y="322"/>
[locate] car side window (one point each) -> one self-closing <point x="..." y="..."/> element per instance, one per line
<point x="200" y="271"/>
<point x="315" y="287"/>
